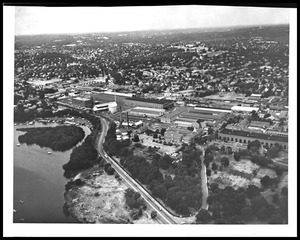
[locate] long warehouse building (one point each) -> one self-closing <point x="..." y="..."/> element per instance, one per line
<point x="148" y="102"/>
<point x="107" y="96"/>
<point x="203" y="115"/>
<point x="246" y="136"/>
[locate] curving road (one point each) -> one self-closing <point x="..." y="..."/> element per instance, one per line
<point x="163" y="214"/>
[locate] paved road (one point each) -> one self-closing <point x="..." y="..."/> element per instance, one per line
<point x="163" y="214"/>
<point x="204" y="187"/>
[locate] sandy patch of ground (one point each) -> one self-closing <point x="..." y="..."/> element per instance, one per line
<point x="224" y="179"/>
<point x="244" y="165"/>
<point x="237" y="174"/>
<point x="283" y="181"/>
<point x="145" y="220"/>
<point x="266" y="171"/>
<point x="100" y="200"/>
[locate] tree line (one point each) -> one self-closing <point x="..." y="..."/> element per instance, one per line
<point x="85" y="155"/>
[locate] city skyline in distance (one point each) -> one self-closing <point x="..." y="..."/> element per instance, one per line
<point x="73" y="20"/>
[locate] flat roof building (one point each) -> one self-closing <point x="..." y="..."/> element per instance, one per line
<point x="215" y="110"/>
<point x="203" y="115"/>
<point x="107" y="96"/>
<point x="171" y="116"/>
<point x="148" y="112"/>
<point x="148" y="102"/>
<point x="111" y="106"/>
<point x="242" y="109"/>
<point x="246" y="136"/>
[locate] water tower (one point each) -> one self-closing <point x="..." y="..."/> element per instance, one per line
<point x="113" y="107"/>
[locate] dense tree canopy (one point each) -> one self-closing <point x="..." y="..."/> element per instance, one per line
<point x="225" y="161"/>
<point x="135" y="203"/>
<point x="165" y="161"/>
<point x="236" y="156"/>
<point x="82" y="157"/>
<point x="203" y="216"/>
<point x="59" y="138"/>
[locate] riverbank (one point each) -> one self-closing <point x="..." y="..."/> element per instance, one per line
<point x="38" y="180"/>
<point x="99" y="199"/>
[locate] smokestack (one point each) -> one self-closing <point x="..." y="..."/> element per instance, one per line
<point x="127" y="120"/>
<point x="120" y="114"/>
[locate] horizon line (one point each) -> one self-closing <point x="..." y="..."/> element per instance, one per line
<point x="155" y="30"/>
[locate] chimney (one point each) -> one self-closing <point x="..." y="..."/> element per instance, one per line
<point x="120" y="114"/>
<point x="127" y="120"/>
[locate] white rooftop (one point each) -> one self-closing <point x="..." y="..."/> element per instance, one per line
<point x="244" y="109"/>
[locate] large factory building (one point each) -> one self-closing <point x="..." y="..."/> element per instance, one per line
<point x="148" y="103"/>
<point x="245" y="137"/>
<point x="108" y="96"/>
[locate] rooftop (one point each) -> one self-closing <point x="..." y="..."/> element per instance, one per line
<point x="81" y="99"/>
<point x="119" y="94"/>
<point x="145" y="111"/>
<point x="225" y="96"/>
<point x="150" y="100"/>
<point x="242" y="108"/>
<point x="255" y="135"/>
<point x="212" y="109"/>
<point x="176" y="112"/>
<point x="196" y="116"/>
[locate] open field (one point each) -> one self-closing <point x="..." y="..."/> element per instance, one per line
<point x="101" y="200"/>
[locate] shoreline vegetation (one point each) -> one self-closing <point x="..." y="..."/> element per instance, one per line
<point x="59" y="138"/>
<point x="83" y="156"/>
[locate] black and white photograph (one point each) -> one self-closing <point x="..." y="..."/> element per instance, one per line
<point x="166" y="120"/>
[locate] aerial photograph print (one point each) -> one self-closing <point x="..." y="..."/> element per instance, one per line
<point x="150" y="116"/>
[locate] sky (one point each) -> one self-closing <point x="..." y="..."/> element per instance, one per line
<point x="47" y="20"/>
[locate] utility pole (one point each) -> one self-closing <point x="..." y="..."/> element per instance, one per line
<point x="287" y="97"/>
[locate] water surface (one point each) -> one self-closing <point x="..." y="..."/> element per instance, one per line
<point x="39" y="181"/>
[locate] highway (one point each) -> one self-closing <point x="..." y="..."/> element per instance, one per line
<point x="163" y="214"/>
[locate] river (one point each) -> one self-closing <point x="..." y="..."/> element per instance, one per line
<point x="39" y="181"/>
